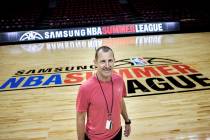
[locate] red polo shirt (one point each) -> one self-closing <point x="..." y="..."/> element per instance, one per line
<point x="90" y="99"/>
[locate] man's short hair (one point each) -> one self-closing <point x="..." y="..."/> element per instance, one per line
<point x="104" y="49"/>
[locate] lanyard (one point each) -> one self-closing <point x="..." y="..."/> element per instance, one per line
<point x="109" y="112"/>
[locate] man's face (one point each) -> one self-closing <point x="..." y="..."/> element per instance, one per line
<point x="104" y="64"/>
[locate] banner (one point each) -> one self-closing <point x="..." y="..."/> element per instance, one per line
<point x="81" y="32"/>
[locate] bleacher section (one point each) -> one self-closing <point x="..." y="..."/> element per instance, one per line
<point x="21" y="14"/>
<point x="38" y="14"/>
<point x="71" y="13"/>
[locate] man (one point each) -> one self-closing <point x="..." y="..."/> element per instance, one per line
<point x="100" y="98"/>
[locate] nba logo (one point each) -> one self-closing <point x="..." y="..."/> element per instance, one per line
<point x="138" y="61"/>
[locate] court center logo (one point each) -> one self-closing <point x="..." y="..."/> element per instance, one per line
<point x="143" y="76"/>
<point x="31" y="35"/>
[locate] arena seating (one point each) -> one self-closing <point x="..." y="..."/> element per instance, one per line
<point x="71" y="13"/>
<point x="37" y="14"/>
<point x="21" y="14"/>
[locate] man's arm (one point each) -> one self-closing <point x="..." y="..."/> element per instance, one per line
<point x="124" y="111"/>
<point x="81" y="125"/>
<point x="126" y="118"/>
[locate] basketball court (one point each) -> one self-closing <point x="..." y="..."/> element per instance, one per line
<point x="167" y="78"/>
